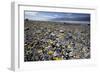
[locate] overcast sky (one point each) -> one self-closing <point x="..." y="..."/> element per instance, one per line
<point x="56" y="16"/>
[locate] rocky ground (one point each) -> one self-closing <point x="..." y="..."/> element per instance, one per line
<point x="55" y="41"/>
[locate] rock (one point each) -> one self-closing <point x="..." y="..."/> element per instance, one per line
<point x="26" y="29"/>
<point x="57" y="44"/>
<point x="52" y="34"/>
<point x="77" y="57"/>
<point x="38" y="31"/>
<point x="55" y="54"/>
<point x="71" y="54"/>
<point x="39" y="51"/>
<point x="69" y="46"/>
<point x="61" y="31"/>
<point x="50" y="41"/>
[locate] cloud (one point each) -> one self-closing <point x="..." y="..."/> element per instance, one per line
<point x="29" y="13"/>
<point x="47" y="16"/>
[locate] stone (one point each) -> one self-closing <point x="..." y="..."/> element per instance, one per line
<point x="52" y="34"/>
<point x="71" y="54"/>
<point x="61" y="31"/>
<point x="55" y="54"/>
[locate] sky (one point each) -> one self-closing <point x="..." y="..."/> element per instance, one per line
<point x="56" y="16"/>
